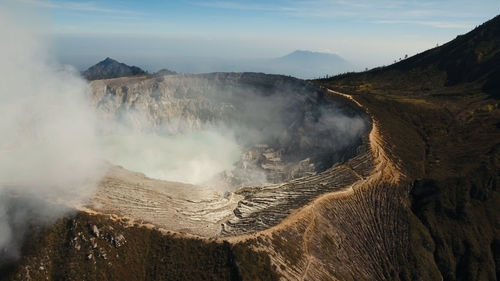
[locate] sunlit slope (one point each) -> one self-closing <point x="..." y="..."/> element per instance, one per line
<point x="439" y="111"/>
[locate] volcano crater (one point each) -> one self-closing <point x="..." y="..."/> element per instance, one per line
<point x="258" y="146"/>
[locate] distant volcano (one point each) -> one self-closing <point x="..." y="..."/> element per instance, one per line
<point x="110" y="68"/>
<point x="309" y="58"/>
<point x="308" y="64"/>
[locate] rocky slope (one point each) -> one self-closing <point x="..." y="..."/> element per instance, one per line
<point x="440" y="112"/>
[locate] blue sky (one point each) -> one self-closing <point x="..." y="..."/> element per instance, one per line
<point x="369" y="32"/>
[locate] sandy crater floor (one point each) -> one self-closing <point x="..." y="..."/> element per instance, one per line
<point x="172" y="205"/>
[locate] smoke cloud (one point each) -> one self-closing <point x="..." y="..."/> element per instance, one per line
<point x="48" y="152"/>
<point x="194" y="157"/>
<point x="223" y="130"/>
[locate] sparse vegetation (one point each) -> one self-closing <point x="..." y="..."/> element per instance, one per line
<point x="92" y="247"/>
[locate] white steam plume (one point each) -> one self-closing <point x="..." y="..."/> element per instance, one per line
<point x="47" y="145"/>
<point x="190" y="158"/>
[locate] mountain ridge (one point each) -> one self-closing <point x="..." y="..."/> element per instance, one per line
<point x="299" y="63"/>
<point x="440" y="111"/>
<point x="473" y="57"/>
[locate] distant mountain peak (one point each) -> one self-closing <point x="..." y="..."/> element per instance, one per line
<point x="108" y="60"/>
<point x="110" y="68"/>
<point x="301" y="52"/>
<point x="317" y="64"/>
<point x="309" y="52"/>
<point x="313" y="55"/>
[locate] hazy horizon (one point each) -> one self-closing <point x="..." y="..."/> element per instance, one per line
<point x="213" y="34"/>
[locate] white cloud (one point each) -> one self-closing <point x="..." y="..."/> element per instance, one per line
<point x="77" y="6"/>
<point x="47" y="149"/>
<point x="238" y="6"/>
<point x="421" y="13"/>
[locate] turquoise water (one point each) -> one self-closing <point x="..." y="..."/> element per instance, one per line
<point x="191" y="158"/>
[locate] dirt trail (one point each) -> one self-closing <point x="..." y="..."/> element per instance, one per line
<point x="306" y="244"/>
<point x="385" y="171"/>
<point x="389" y="170"/>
